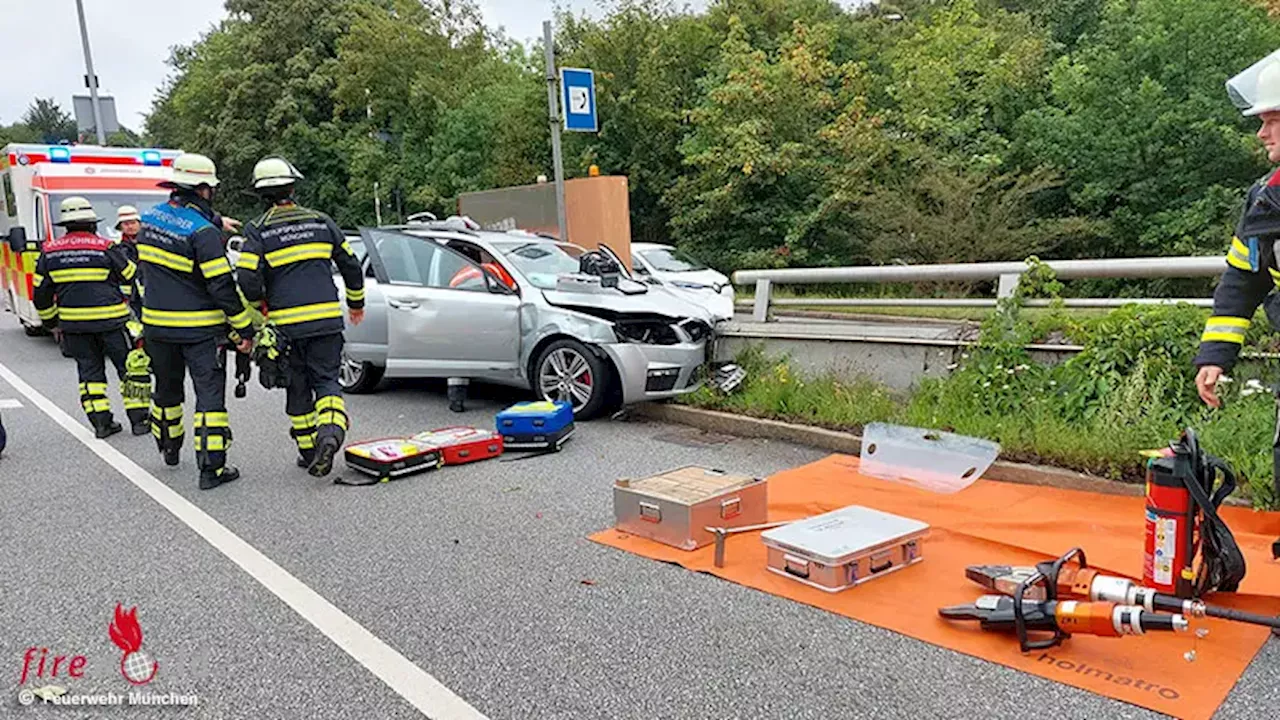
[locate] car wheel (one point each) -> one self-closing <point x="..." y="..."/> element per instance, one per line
<point x="358" y="377"/>
<point x="568" y="370"/>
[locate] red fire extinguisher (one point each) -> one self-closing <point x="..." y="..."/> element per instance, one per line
<point x="1172" y="530"/>
<point x="1183" y="525"/>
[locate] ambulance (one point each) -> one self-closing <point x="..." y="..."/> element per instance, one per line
<point x="36" y="178"/>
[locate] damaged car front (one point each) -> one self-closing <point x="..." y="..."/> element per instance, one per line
<point x="659" y="342"/>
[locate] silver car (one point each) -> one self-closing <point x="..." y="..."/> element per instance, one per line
<point x="444" y="299"/>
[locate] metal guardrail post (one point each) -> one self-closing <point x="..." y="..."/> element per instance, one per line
<point x="760" y="311"/>
<point x="1008" y="285"/>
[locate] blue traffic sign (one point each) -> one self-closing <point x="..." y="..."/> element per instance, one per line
<point x="578" y="98"/>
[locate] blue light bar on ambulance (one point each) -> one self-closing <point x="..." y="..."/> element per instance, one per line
<point x="150" y="157"/>
<point x="60" y="154"/>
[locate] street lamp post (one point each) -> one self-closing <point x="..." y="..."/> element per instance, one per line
<point x="93" y="79"/>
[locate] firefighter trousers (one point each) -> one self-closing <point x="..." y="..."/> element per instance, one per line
<point x="210" y="426"/>
<point x="313" y="399"/>
<point x="91" y="352"/>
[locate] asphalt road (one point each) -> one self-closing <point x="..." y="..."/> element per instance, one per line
<point x="472" y="575"/>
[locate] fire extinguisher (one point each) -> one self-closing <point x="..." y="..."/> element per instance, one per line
<point x="1182" y="523"/>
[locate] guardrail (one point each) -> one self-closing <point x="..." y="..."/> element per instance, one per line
<point x="1006" y="273"/>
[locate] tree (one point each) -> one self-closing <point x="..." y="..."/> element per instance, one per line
<point x="49" y="122"/>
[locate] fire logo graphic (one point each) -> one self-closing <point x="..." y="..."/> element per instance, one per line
<point x="136" y="666"/>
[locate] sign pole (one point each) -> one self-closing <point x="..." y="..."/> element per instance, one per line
<point x="93" y="79"/>
<point x="552" y="103"/>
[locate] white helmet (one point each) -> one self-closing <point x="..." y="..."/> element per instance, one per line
<point x="76" y="209"/>
<point x="274" y="172"/>
<point x="1256" y="90"/>
<point x="125" y="214"/>
<point x="191" y="170"/>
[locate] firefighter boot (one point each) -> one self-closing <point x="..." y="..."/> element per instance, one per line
<point x="322" y="463"/>
<point x="306" y="457"/>
<point x="104" y="425"/>
<point x="211" y="478"/>
<point x="457" y="394"/>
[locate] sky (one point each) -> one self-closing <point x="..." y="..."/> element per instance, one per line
<point x="130" y="41"/>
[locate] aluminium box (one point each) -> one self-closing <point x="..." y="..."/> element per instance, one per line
<point x="676" y="507"/>
<point x="846" y="547"/>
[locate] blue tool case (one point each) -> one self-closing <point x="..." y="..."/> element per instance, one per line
<point x="535" y="425"/>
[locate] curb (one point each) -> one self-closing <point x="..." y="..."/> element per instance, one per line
<point x="842" y="442"/>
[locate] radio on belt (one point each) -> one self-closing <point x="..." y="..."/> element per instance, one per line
<point x="845" y="547"/>
<point x="676" y="507"/>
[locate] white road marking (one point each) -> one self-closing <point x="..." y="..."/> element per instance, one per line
<point x="9" y="404"/>
<point x="409" y="681"/>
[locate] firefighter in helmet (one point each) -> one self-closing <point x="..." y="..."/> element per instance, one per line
<point x="287" y="263"/>
<point x="190" y="310"/>
<point x="1252" y="271"/>
<point x="128" y="224"/>
<point x="77" y="293"/>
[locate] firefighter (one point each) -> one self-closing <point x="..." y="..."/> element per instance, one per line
<point x="190" y="300"/>
<point x="1251" y="260"/>
<point x="285" y="264"/>
<point x="128" y="223"/>
<point x="77" y="293"/>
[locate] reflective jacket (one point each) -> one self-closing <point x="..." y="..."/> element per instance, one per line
<point x="191" y="292"/>
<point x="285" y="260"/>
<point x="1250" y="275"/>
<point x="132" y="290"/>
<point x="77" y="283"/>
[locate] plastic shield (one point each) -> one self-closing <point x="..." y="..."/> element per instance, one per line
<point x="1257" y="88"/>
<point x="928" y="459"/>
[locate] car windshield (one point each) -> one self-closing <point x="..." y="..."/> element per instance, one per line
<point x="542" y="261"/>
<point x="671" y="260"/>
<point x="106" y="205"/>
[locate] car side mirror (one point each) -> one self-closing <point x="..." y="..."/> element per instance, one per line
<point x="17" y="238"/>
<point x="496" y="285"/>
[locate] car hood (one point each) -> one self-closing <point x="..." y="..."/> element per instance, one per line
<point x="708" y="277"/>
<point x="658" y="300"/>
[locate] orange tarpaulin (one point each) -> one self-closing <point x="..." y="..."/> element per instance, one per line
<point x="1001" y="523"/>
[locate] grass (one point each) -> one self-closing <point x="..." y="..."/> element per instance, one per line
<point x="1027" y="409"/>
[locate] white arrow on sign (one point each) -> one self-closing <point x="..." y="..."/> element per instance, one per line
<point x="579" y="101"/>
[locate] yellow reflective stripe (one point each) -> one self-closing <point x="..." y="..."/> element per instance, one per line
<point x="213" y="443"/>
<point x="240" y="320"/>
<point x="129" y="271"/>
<point x="85" y="314"/>
<point x="215" y="267"/>
<point x="355" y="295"/>
<point x="173" y="261"/>
<point x="248" y="261"/>
<point x="298" y="253"/>
<point x="37" y="280"/>
<point x="126" y="289"/>
<point x="95" y="388"/>
<point x="1238" y="255"/>
<point x="306" y="313"/>
<point x="331" y="402"/>
<point x="175" y="431"/>
<point x="70" y="275"/>
<point x="1225" y="329"/>
<point x="48" y="313"/>
<point x="134" y="403"/>
<point x="334" y="418"/>
<point x="346" y="247"/>
<point x="306" y="442"/>
<point x="183" y="318"/>
<point x="302" y="422"/>
<point x="211" y="420"/>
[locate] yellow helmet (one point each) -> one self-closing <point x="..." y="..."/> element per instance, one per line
<point x="1256" y="90"/>
<point x="274" y="172"/>
<point x="125" y="214"/>
<point x="76" y="209"/>
<point x="191" y="170"/>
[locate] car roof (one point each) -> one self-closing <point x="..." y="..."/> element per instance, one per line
<point x="649" y="246"/>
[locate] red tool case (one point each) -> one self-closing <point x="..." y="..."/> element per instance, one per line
<point x="459" y="444"/>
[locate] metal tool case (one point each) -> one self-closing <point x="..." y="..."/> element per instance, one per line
<point x="845" y="547"/>
<point x="676" y="507"/>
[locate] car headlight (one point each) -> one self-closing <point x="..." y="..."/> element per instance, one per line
<point x="647" y="332"/>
